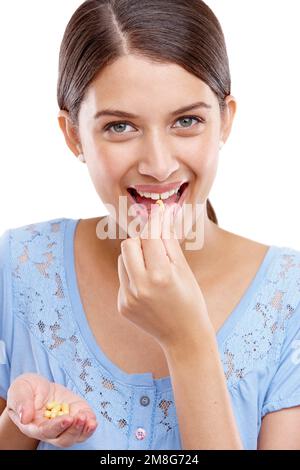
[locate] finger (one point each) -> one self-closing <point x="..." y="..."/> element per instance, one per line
<point x="73" y="433"/>
<point x="124" y="284"/>
<point x="89" y="417"/>
<point x="20" y="401"/>
<point x="168" y="230"/>
<point x="154" y="251"/>
<point x="123" y="276"/>
<point x="133" y="259"/>
<point x="91" y="426"/>
<point x="88" y="430"/>
<point x="155" y="255"/>
<point x="82" y="409"/>
<point x="152" y="229"/>
<point x="52" y="428"/>
<point x="172" y="231"/>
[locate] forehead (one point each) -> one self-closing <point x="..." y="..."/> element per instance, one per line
<point x="135" y="83"/>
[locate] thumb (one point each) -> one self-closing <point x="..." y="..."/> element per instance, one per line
<point x="20" y="401"/>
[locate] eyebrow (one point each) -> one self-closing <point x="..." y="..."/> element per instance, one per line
<point x="118" y="112"/>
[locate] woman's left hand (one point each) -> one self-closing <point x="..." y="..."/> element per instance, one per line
<point x="158" y="290"/>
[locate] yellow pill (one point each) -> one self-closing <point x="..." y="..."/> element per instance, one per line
<point x="56" y="409"/>
<point x="65" y="408"/>
<point x="52" y="404"/>
<point x="161" y="204"/>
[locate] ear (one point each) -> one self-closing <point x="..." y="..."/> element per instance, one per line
<point x="70" y="132"/>
<point x="228" y="117"/>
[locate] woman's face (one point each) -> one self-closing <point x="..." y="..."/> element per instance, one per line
<point x="158" y="146"/>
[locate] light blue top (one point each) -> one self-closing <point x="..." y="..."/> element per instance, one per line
<point x="44" y="330"/>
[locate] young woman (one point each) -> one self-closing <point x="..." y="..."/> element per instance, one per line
<point x="155" y="343"/>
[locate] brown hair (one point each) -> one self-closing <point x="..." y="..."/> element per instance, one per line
<point x="185" y="32"/>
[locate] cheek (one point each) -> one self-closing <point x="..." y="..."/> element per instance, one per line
<point x="106" y="167"/>
<point x="105" y="175"/>
<point x="203" y="162"/>
<point x="113" y="160"/>
<point x="209" y="163"/>
<point x="207" y="173"/>
<point x="201" y="153"/>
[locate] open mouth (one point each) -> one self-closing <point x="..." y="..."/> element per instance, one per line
<point x="147" y="201"/>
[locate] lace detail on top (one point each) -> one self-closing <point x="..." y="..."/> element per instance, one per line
<point x="261" y="331"/>
<point x="41" y="301"/>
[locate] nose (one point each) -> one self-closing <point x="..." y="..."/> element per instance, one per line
<point x="157" y="159"/>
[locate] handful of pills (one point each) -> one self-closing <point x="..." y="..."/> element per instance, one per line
<point x="54" y="409"/>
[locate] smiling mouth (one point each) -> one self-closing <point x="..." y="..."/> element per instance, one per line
<point x="176" y="198"/>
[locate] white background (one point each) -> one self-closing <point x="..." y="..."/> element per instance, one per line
<point x="256" y="191"/>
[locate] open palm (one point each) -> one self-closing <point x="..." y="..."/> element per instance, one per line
<point x="27" y="398"/>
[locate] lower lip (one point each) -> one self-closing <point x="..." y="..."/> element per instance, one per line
<point x="179" y="202"/>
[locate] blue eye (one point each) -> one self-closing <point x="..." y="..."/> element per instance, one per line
<point x="190" y="118"/>
<point x="113" y="125"/>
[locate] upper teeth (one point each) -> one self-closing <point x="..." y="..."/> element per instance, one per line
<point x="157" y="196"/>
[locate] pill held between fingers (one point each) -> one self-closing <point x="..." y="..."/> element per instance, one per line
<point x="161" y="204"/>
<point x="47" y="414"/>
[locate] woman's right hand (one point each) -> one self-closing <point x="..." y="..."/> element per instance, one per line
<point x="27" y="398"/>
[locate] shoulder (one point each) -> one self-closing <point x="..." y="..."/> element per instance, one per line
<point x="34" y="255"/>
<point x="284" y="281"/>
<point x="36" y="271"/>
<point x="270" y="317"/>
<point x="36" y="239"/>
<point x="37" y="230"/>
<point x="277" y="301"/>
<point x="284" y="273"/>
<point x="278" y="296"/>
<point x="281" y="263"/>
